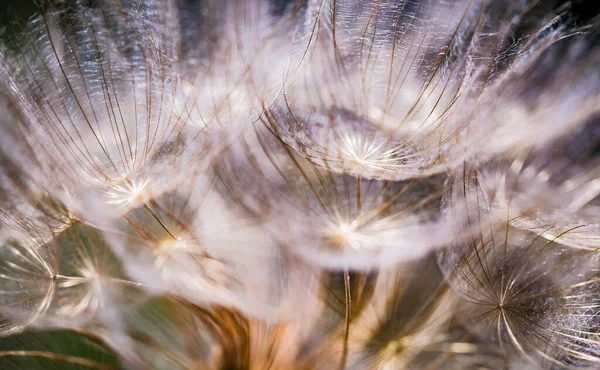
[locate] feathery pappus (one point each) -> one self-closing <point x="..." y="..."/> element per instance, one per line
<point x="300" y="184"/>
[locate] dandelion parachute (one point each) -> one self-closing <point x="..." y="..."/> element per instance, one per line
<point x="313" y="184"/>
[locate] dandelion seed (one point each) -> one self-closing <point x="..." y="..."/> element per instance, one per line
<point x="27" y="288"/>
<point x="127" y="194"/>
<point x="372" y="221"/>
<point x="527" y="306"/>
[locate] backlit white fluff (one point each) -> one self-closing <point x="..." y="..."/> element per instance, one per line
<point x="320" y="184"/>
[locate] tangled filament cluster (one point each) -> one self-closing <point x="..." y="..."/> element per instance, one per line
<point x="300" y="184"/>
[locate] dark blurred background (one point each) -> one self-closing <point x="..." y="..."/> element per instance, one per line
<point x="21" y="10"/>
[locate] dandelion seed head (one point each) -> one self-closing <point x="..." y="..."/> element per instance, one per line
<point x="331" y="184"/>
